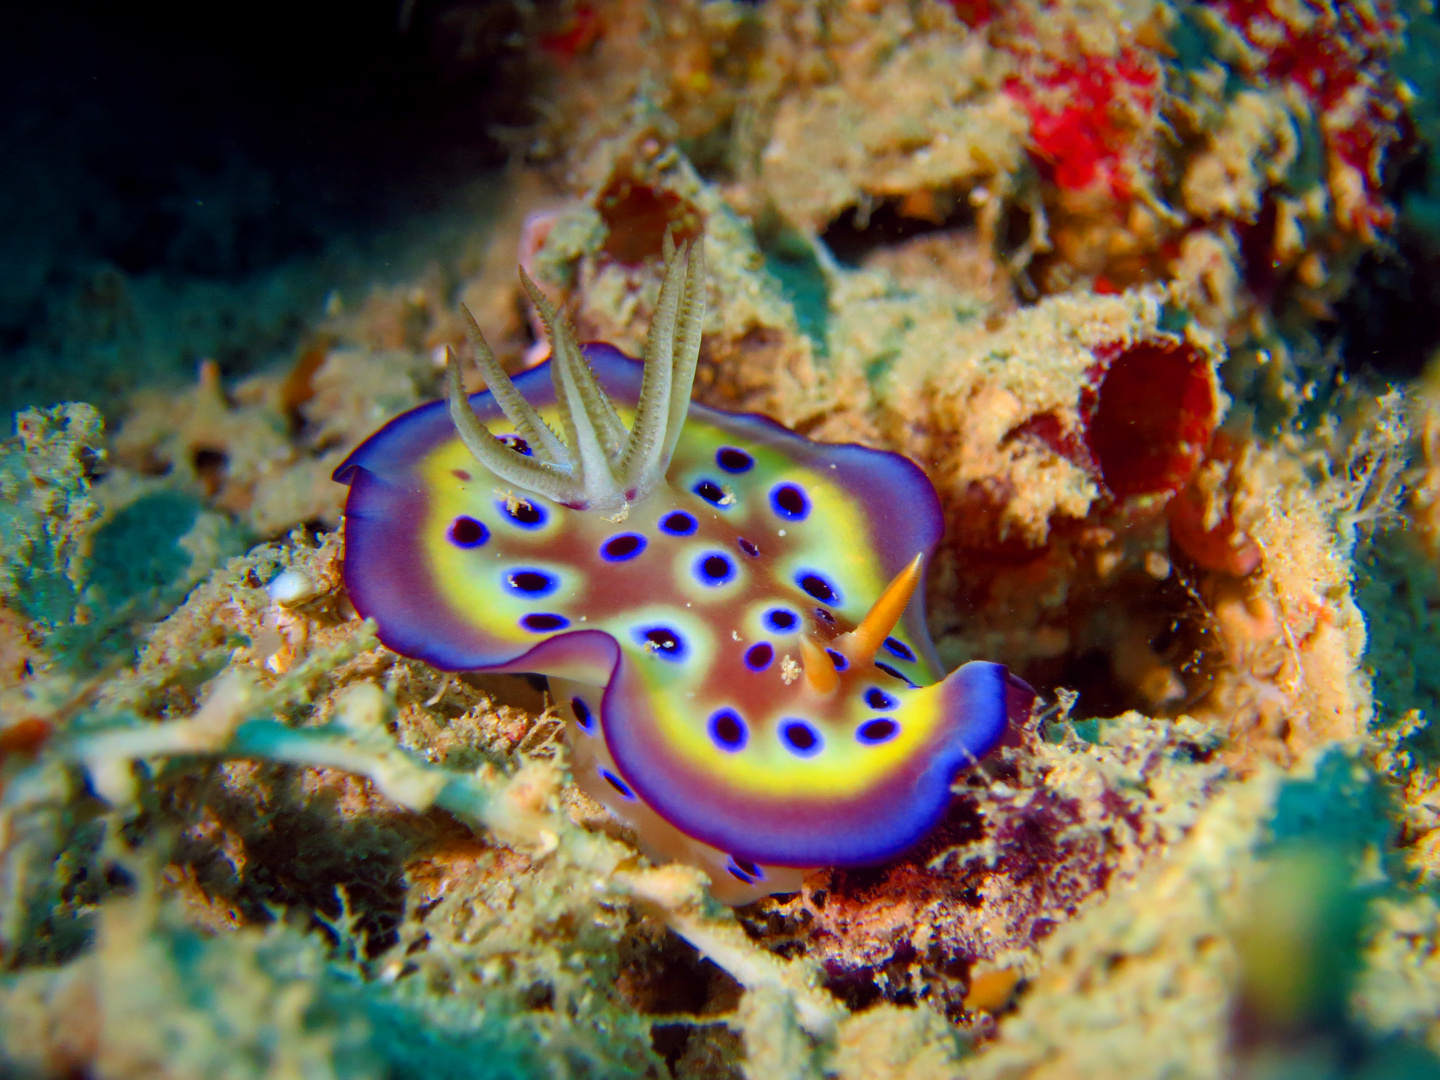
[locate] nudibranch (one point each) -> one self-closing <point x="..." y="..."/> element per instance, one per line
<point x="728" y="613"/>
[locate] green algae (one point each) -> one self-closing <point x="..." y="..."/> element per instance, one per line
<point x="166" y="1000"/>
<point x="791" y="262"/>
<point x="91" y="580"/>
<point x="1330" y="870"/>
<point x="1399" y="590"/>
<point x="138" y="567"/>
<point x="47" y="510"/>
<point x="1343" y="805"/>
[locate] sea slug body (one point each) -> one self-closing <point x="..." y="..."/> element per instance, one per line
<point x="666" y="565"/>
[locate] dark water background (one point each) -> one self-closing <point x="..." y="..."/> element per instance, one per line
<point x="183" y="181"/>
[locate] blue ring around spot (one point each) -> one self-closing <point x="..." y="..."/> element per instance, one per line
<point x="662" y="641"/>
<point x="758" y="657"/>
<point x="466" y="532"/>
<point x="888" y="670"/>
<point x="527" y="514"/>
<point x="748" y="868"/>
<point x="881" y="729"/>
<point x="712" y="493"/>
<point x="781" y="620"/>
<point x="678" y="523"/>
<point x="516" y="443"/>
<point x="583" y="716"/>
<point x="817" y="585"/>
<point x="623" y="547"/>
<point x="622" y="788"/>
<point x="544" y="622"/>
<point x="734" y="460"/>
<point x="529" y="582"/>
<point x="714" y="568"/>
<point x="790" y="502"/>
<point x="801" y="738"/>
<point x="728" y="730"/>
<point x="896" y="647"/>
<point x="879" y="699"/>
<point x="744" y="870"/>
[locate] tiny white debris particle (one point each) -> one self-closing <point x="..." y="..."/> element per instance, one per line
<point x="789" y="670"/>
<point x="513" y="502"/>
<point x="782" y="532"/>
<point x="439" y="694"/>
<point x="735" y="635"/>
<point x="728" y="499"/>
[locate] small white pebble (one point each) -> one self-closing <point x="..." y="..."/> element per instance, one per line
<point x="362" y="707"/>
<point x="290" y="587"/>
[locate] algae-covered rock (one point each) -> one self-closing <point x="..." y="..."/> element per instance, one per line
<point x="155" y="998"/>
<point x="47" y="510"/>
<point x="86" y="565"/>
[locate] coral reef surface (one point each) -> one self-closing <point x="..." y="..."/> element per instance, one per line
<point x="1141" y="285"/>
